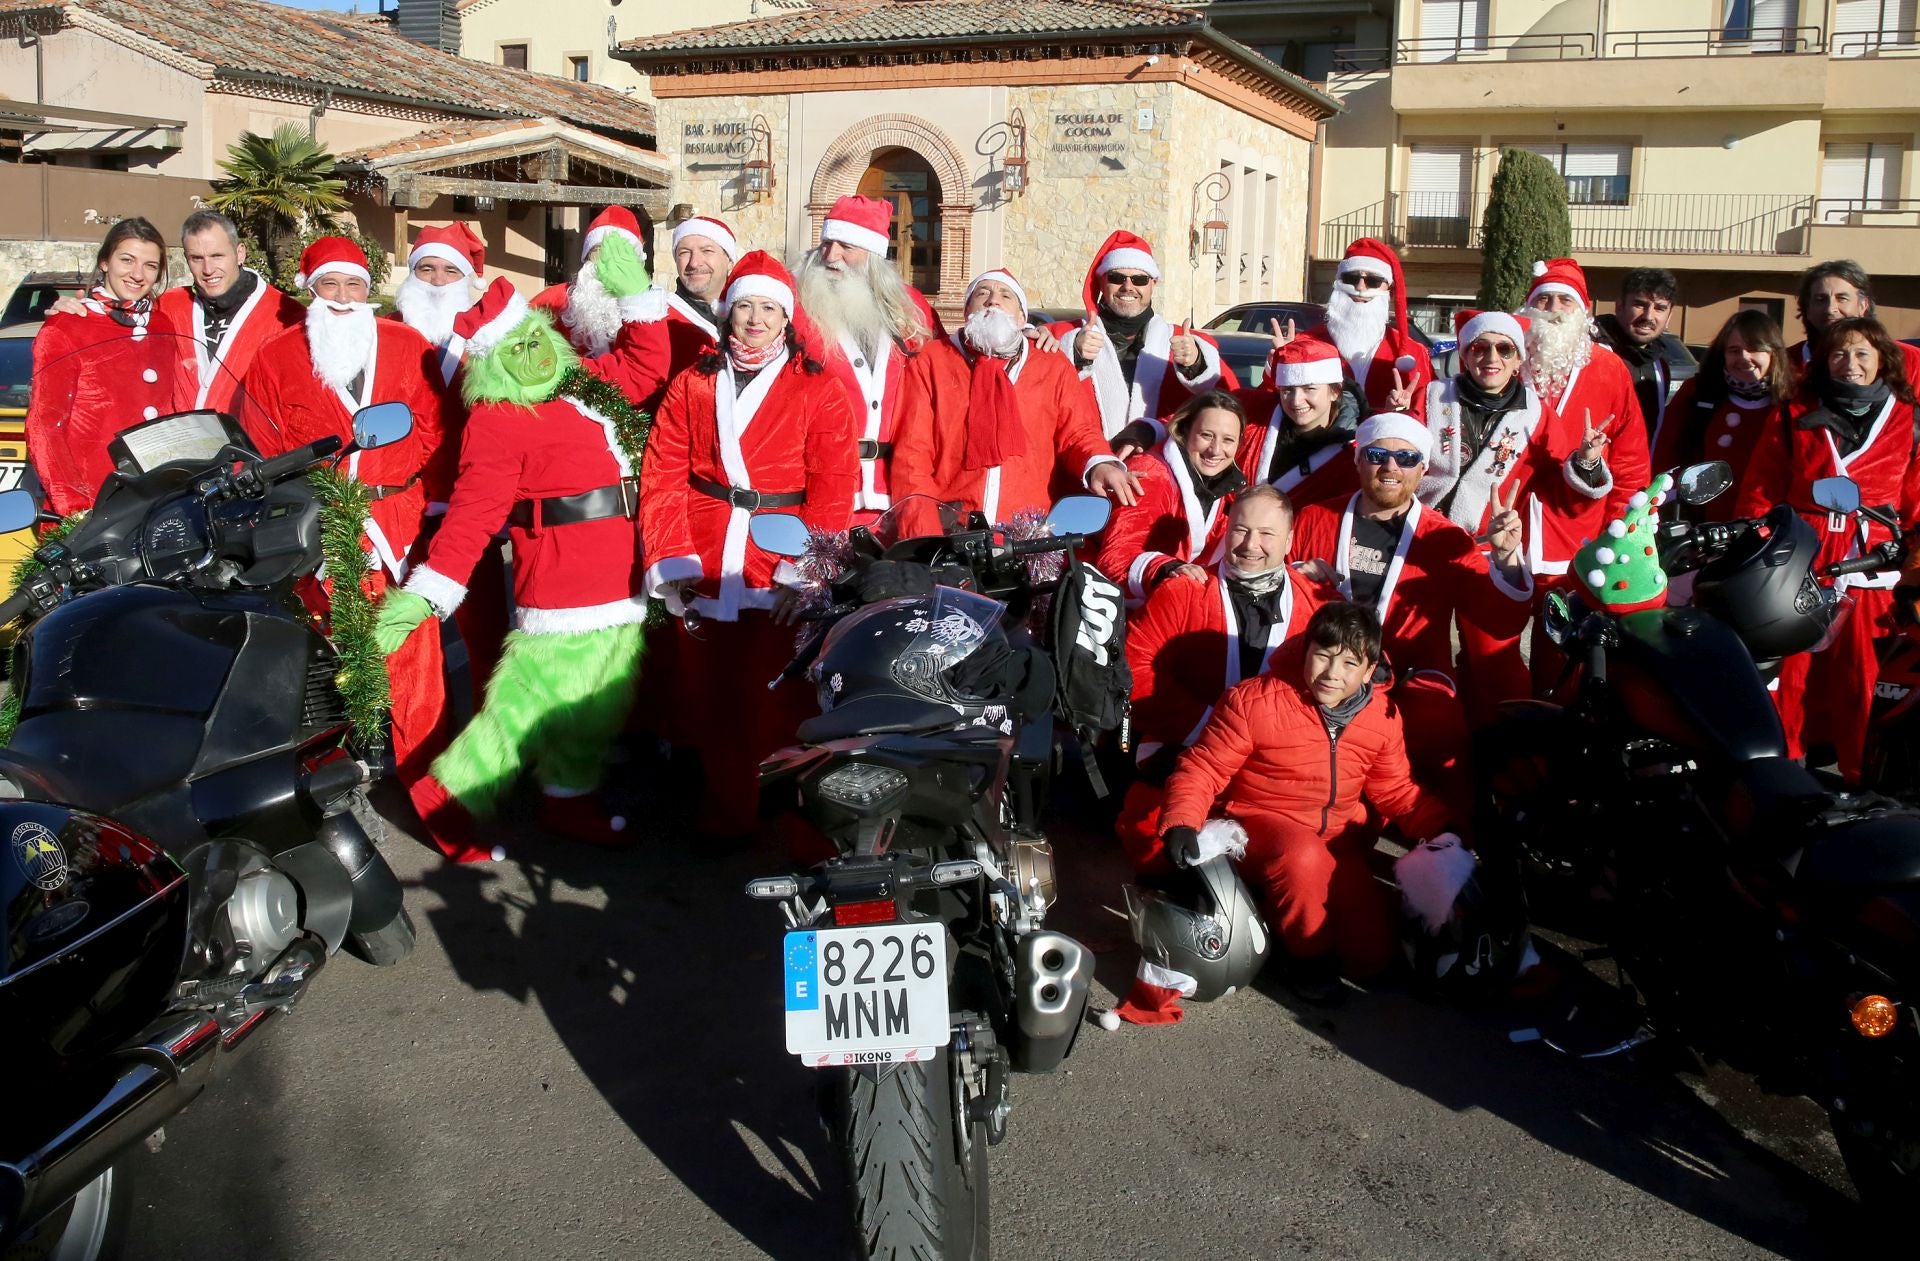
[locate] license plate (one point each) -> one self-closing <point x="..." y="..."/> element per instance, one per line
<point x="11" y="475"/>
<point x="871" y="995"/>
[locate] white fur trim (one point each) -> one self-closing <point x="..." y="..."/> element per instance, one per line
<point x="1523" y="592"/>
<point x="593" y="617"/>
<point x="1574" y="479"/>
<point x="1406" y="363"/>
<point x="670" y="570"/>
<point x="644" y="308"/>
<point x="712" y="229"/>
<point x="1109" y="1021"/>
<point x="1366" y="264"/>
<point x="1005" y="277"/>
<point x="495" y="330"/>
<point x="759" y="285"/>
<point x="1554" y="286"/>
<point x="1431" y="876"/>
<point x="1137" y="572"/>
<point x="1095" y="463"/>
<point x="305" y="279"/>
<point x="1395" y="425"/>
<point x="1493" y="322"/>
<point x="1221" y="836"/>
<point x="853" y="234"/>
<point x="1539" y="267"/>
<point x="1126" y="256"/>
<point x="442" y="592"/>
<point x="442" y="251"/>
<point x="1310" y="372"/>
<point x="593" y="239"/>
<point x="614" y="449"/>
<point x="1166" y="978"/>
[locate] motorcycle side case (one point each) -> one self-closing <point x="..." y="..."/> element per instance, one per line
<point x="93" y="931"/>
<point x="1685" y="677"/>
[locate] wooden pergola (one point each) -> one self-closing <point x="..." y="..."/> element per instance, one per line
<point x="523" y="162"/>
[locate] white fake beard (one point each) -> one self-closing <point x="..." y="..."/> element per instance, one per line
<point x="340" y="338"/>
<point x="1558" y="345"/>
<point x="1357" y="326"/>
<point x="841" y="304"/>
<point x="592" y="312"/>
<point x="430" y="309"/>
<point x="992" y="332"/>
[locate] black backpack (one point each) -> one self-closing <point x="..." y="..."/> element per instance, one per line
<point x="1089" y="641"/>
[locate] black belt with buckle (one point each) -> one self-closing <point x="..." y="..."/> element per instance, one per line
<point x="622" y="499"/>
<point x="870" y="450"/>
<point x="751" y="500"/>
<point x="376" y="493"/>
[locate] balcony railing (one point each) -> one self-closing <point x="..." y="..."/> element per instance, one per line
<point x="1585" y="46"/>
<point x="1867" y="212"/>
<point x="1707" y="41"/>
<point x="1864" y="43"/>
<point x="1645" y="223"/>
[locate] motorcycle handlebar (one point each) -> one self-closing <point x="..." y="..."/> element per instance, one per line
<point x="281" y="467"/>
<point x="16" y="604"/>
<point x="1051" y="543"/>
<point x="1871" y="563"/>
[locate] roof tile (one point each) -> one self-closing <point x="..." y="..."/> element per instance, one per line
<point x="861" y="21"/>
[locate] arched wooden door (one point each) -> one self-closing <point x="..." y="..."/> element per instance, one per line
<point x="906" y="179"/>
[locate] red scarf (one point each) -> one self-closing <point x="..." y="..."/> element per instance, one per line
<point x="122" y="311"/>
<point x="748" y="360"/>
<point x="995" y="433"/>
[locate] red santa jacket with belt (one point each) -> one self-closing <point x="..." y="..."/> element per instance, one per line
<point x="1159" y="387"/>
<point x="872" y="386"/>
<point x="1374" y="374"/>
<point x="1789" y="457"/>
<point x="287" y="406"/>
<point x="210" y="378"/>
<point x="1183" y="650"/>
<point x="1693" y="429"/>
<point x="1437" y="570"/>
<point x="92" y="378"/>
<point x="1602" y="389"/>
<point x="787" y="430"/>
<point x="1266" y="750"/>
<point x="930" y="441"/>
<point x="1327" y="474"/>
<point x="1164" y="527"/>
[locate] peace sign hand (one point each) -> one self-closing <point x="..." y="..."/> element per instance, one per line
<point x="1281" y="336"/>
<point x="1593" y="444"/>
<point x="1402" y="392"/>
<point x="1504" y="527"/>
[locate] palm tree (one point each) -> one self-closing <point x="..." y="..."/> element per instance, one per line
<point x="277" y="185"/>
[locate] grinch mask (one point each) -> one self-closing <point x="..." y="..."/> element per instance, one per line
<point x="1621" y="569"/>
<point x="525" y="368"/>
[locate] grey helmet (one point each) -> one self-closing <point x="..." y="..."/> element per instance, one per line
<point x="1203" y="925"/>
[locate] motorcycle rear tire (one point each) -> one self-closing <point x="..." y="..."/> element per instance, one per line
<point x="916" y="1168"/>
<point x="92" y="1226"/>
<point x="384" y="947"/>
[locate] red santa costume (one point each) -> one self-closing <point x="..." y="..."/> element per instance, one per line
<point x="1693" y="429"/>
<point x="1327" y="472"/>
<point x="1827" y="696"/>
<point x="93" y="376"/>
<point x="433" y="313"/>
<point x="289" y="403"/>
<point x="719" y="451"/>
<point x="591" y="318"/>
<point x="208" y="371"/>
<point x="1173" y="521"/>
<point x="1149" y="383"/>
<point x="690" y="331"/>
<point x="993" y="432"/>
<point x="1373" y="348"/>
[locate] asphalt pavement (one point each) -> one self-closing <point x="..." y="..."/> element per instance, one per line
<point x="583" y="1059"/>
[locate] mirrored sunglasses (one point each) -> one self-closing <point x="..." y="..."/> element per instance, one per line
<point x="1378" y="456"/>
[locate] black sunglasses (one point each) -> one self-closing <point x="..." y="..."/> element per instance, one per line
<point x="1121" y="278"/>
<point x="1378" y="456"/>
<point x="1365" y="280"/>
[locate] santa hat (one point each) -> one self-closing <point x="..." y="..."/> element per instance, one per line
<point x="1394" y="425"/>
<point x="866" y="222"/>
<point x="1376" y="258"/>
<point x="1560" y="275"/>
<point x="1122" y="249"/>
<point x="1305" y="361"/>
<point x="1620" y="571"/>
<point x="1469" y="326"/>
<point x="1005" y="277"/>
<point x="612" y="219"/>
<point x="456" y="243"/>
<point x="331" y="254"/>
<point x="761" y="275"/>
<point x="486" y="323"/>
<point x="714" y="230"/>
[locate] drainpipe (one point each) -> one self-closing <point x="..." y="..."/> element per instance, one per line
<point x="31" y="39"/>
<point x="313" y="115"/>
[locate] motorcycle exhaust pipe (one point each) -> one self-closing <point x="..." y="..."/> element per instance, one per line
<point x="1052" y="972"/>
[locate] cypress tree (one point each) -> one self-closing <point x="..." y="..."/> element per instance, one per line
<point x="1526" y="221"/>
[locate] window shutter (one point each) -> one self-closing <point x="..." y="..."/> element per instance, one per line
<point x="1439" y="184"/>
<point x="1461" y="24"/>
<point x="1882" y="183"/>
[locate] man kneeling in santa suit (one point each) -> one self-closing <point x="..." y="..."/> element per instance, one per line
<point x="1296" y="758"/>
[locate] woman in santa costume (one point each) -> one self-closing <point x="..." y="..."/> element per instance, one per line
<point x="755" y="427"/>
<point x="1744" y="382"/>
<point x="99" y="373"/>
<point x="1367" y="322"/>
<point x="1300" y="423"/>
<point x="989" y="421"/>
<point x="551" y="449"/>
<point x="1854" y="418"/>
<point x="1175" y="524"/>
<point x="306" y="384"/>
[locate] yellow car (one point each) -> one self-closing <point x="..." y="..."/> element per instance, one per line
<point x="16" y="375"/>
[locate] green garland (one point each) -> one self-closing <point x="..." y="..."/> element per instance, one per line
<point x="362" y="679"/>
<point x="24" y="568"/>
<point x="630" y="429"/>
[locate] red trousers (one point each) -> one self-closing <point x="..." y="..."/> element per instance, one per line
<point x="730" y="717"/>
<point x="1826" y="697"/>
<point x="1319" y="893"/>
<point x="1138" y="827"/>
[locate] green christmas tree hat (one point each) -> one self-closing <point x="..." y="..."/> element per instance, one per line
<point x="1621" y="569"/>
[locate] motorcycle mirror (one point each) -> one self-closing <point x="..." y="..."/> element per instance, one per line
<point x="1837" y="494"/>
<point x="17" y="511"/>
<point x="381" y="425"/>
<point x="1556" y="619"/>
<point x="1080" y="514"/>
<point x="1701" y="482"/>
<point x="781" y="533"/>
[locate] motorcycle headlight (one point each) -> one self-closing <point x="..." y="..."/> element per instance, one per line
<point x="861" y="784"/>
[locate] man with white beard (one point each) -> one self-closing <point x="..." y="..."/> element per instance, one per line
<point x="306" y="384"/>
<point x="591" y="318"/>
<point x="993" y="422"/>
<point x="871" y="323"/>
<point x="1367" y="321"/>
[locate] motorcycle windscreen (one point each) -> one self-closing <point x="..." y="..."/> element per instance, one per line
<point x="1686" y="677"/>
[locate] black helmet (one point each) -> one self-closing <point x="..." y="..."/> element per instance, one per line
<point x="1202" y="924"/>
<point x="1764" y="588"/>
<point x="1475" y="939"/>
<point x="892" y="665"/>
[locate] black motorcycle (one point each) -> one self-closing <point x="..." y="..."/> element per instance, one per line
<point x="1762" y="917"/>
<point x="181" y="801"/>
<point x="917" y="965"/>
